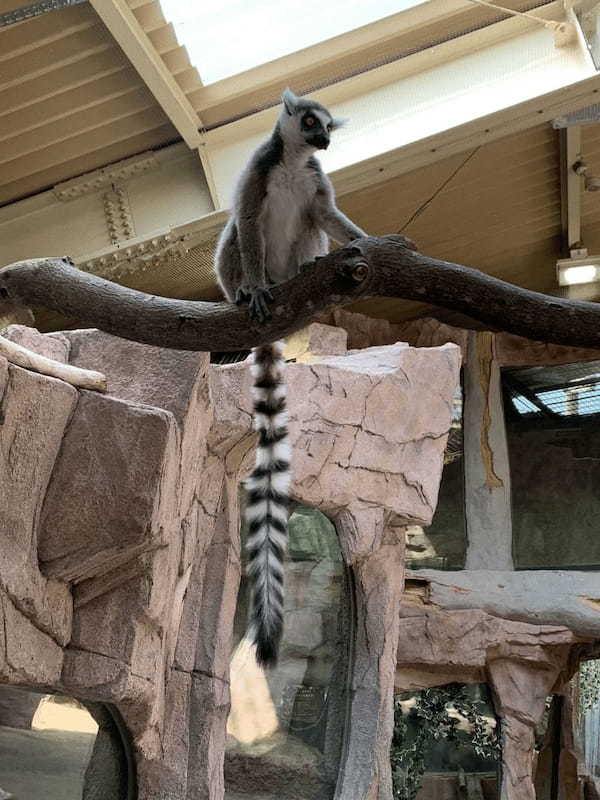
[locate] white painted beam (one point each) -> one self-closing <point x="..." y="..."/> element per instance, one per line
<point x="123" y="25"/>
<point x="295" y="68"/>
<point x="165" y="190"/>
<point x="444" y="100"/>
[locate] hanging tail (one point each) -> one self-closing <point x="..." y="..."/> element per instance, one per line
<point x="267" y="502"/>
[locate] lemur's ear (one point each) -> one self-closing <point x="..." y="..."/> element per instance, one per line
<point x="338" y="122"/>
<point x="290" y="101"/>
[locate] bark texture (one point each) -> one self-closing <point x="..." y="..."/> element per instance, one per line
<point x="387" y="266"/>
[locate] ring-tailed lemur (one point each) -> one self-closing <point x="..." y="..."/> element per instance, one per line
<point x="283" y="212"/>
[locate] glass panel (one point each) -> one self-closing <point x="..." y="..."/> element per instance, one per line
<point x="445" y="738"/>
<point x="46" y="746"/>
<point x="553" y="432"/>
<point x="285" y="727"/>
<point x="443" y="544"/>
<point x="228" y="37"/>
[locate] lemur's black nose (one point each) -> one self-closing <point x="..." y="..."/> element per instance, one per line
<point x="321" y="141"/>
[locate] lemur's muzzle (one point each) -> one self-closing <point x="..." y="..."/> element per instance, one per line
<point x="320" y="141"/>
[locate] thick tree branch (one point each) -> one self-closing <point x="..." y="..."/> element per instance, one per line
<point x="388" y="267"/>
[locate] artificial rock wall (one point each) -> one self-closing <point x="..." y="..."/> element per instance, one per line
<point x="522" y="632"/>
<point x="120" y="554"/>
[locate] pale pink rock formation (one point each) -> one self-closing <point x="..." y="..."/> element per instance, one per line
<point x="120" y="559"/>
<point x="522" y="662"/>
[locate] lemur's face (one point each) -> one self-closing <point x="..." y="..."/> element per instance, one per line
<point x="307" y="121"/>
<point x="316" y="127"/>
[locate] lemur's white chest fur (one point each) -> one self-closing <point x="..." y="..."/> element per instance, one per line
<point x="284" y="219"/>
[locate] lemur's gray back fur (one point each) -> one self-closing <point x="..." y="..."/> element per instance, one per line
<point x="283" y="213"/>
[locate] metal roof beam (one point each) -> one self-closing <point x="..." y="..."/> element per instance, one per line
<point x="125" y="28"/>
<point x="25" y="12"/>
<point x="571" y="186"/>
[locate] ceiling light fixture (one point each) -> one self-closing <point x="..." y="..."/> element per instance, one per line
<point x="580" y="268"/>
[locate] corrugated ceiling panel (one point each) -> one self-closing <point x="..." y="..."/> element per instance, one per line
<point x="70" y="101"/>
<point x="496" y="209"/>
<point x="85" y="161"/>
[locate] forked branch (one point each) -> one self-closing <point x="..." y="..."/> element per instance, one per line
<point x="387" y="266"/>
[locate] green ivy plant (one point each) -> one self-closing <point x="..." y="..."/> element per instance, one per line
<point x="589" y="685"/>
<point x="432" y="709"/>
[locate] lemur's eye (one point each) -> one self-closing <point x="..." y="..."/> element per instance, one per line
<point x="310" y="121"/>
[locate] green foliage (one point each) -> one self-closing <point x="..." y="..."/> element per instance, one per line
<point x="589" y="685"/>
<point x="434" y="711"/>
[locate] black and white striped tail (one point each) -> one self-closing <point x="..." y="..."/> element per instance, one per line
<point x="267" y="502"/>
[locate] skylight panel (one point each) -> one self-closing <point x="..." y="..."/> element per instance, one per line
<point x="524" y="406"/>
<point x="226" y="37"/>
<point x="566" y="390"/>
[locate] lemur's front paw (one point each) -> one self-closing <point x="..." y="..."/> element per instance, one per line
<point x="258" y="307"/>
<point x="241" y="296"/>
<point x="258" y="299"/>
